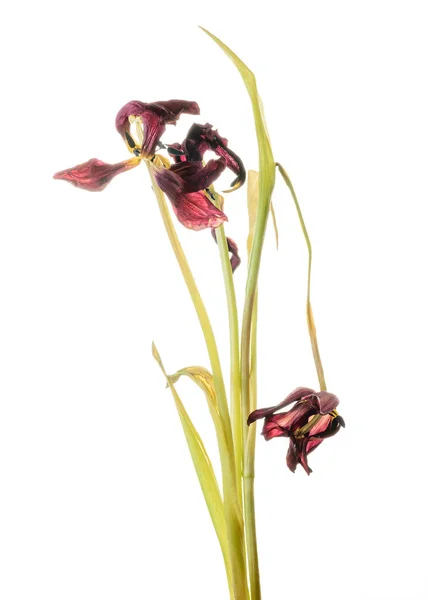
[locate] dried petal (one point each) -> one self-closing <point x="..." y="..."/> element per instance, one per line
<point x="154" y="117"/>
<point x="235" y="259"/>
<point x="193" y="209"/>
<point x="201" y="138"/>
<point x="298" y="394"/>
<point x="94" y="175"/>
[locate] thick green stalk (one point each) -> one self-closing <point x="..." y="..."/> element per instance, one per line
<point x="235" y="372"/>
<point x="250" y="511"/>
<point x="233" y="515"/>
<point x="266" y="184"/>
<point x="309" y="314"/>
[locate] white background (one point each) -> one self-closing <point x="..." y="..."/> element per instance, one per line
<point x="98" y="495"/>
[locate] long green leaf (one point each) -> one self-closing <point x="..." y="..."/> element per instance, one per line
<point x="204" y="470"/>
<point x="266" y="184"/>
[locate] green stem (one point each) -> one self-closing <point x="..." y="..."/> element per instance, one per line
<point x="235" y="372"/>
<point x="309" y="314"/>
<point x="233" y="515"/>
<point x="248" y="357"/>
<point x="250" y="512"/>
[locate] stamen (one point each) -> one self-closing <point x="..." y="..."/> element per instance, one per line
<point x="130" y="140"/>
<point x="174" y="151"/>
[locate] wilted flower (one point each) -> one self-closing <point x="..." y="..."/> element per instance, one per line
<point x="312" y="419"/>
<point x="150" y="120"/>
<point x="187" y="181"/>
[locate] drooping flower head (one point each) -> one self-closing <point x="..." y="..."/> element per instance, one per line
<point x="312" y="419"/>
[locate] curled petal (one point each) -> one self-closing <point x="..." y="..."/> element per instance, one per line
<point x="298" y="394"/>
<point x="302" y="455"/>
<point x="235" y="259"/>
<point x="297" y="454"/>
<point x="196" y="176"/>
<point x="327" y="401"/>
<point x="326" y="427"/>
<point x="292" y="457"/>
<point x="94" y="175"/>
<point x="201" y="138"/>
<point x="288" y="421"/>
<point x="193" y="209"/>
<point x="154" y="117"/>
<point x="174" y="108"/>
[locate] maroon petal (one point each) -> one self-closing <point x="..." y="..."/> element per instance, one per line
<point x="194" y="210"/>
<point x="135" y="107"/>
<point x="293" y="419"/>
<point x="174" y="108"/>
<point x="292" y="457"/>
<point x="312" y="443"/>
<point x="94" y="175"/>
<point x="327" y="401"/>
<point x="303" y="455"/>
<point x="154" y="116"/>
<point x="196" y="176"/>
<point x="298" y="394"/>
<point x="321" y="425"/>
<point x="201" y="138"/>
<point x="235" y="259"/>
<point x="326" y="427"/>
<point x="273" y="428"/>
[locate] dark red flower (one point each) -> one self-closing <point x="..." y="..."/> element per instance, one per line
<point x="153" y="116"/>
<point x="202" y="138"/>
<point x="312" y="419"/>
<point x="95" y="174"/>
<point x="187" y="181"/>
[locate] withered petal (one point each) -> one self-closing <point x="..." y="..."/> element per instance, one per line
<point x="296" y="395"/>
<point x="154" y="117"/>
<point x="235" y="259"/>
<point x="193" y="209"/>
<point x="94" y="175"/>
<point x="201" y="138"/>
<point x="197" y="176"/>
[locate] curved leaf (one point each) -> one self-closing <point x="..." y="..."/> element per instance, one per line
<point x="203" y="468"/>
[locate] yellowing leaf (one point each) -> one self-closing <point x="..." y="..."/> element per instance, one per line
<point x="252" y="201"/>
<point x="309" y="313"/>
<point x="274" y="223"/>
<point x="203" y="379"/>
<point x="203" y="467"/>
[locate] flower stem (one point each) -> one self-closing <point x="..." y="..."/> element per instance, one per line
<point x="248" y="398"/>
<point x="250" y="513"/>
<point x="309" y="314"/>
<point x="233" y="515"/>
<point x="235" y="371"/>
